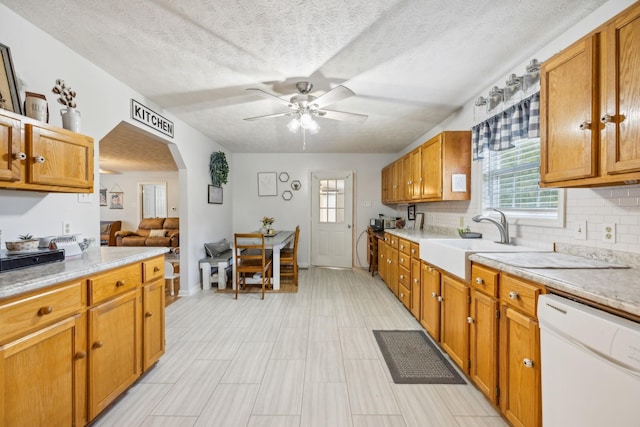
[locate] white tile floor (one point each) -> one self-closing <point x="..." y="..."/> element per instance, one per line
<point x="293" y="360"/>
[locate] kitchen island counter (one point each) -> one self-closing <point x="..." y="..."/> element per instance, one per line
<point x="93" y="260"/>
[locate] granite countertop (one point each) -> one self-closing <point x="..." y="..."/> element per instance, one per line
<point x="416" y="235"/>
<point x="609" y="283"/>
<point x="93" y="260"/>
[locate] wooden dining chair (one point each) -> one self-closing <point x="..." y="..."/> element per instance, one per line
<point x="289" y="259"/>
<point x="373" y="251"/>
<point x="250" y="258"/>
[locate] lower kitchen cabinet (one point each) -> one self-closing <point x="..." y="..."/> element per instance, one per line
<point x="454" y="326"/>
<point x="415" y="287"/>
<point x="153" y="323"/>
<point x="430" y="300"/>
<point x="114" y="349"/>
<point x="41" y="377"/>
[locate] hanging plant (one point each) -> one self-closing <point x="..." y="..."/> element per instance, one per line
<point x="218" y="168"/>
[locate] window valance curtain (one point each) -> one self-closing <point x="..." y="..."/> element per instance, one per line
<point x="520" y="121"/>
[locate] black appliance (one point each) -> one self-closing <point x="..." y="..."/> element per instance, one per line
<point x="13" y="260"/>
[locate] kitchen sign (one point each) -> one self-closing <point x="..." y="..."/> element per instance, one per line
<point x="150" y="118"/>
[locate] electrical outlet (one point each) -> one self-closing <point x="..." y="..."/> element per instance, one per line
<point x="609" y="232"/>
<point x="581" y="230"/>
<point x="66" y="227"/>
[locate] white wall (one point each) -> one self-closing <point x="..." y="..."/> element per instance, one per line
<point x="104" y="102"/>
<point x="129" y="184"/>
<point x="620" y="205"/>
<point x="248" y="208"/>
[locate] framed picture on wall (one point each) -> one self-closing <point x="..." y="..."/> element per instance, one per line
<point x="267" y="184"/>
<point x="103" y="197"/>
<point x="215" y="195"/>
<point x="9" y="97"/>
<point x="411" y="212"/>
<point x="116" y="200"/>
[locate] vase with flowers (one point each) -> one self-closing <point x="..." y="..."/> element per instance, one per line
<point x="267" y="225"/>
<point x="66" y="97"/>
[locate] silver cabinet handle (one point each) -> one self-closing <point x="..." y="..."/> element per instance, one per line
<point x="38" y="159"/>
<point x="402" y="276"/>
<point x="514" y="295"/>
<point x="479" y="280"/>
<point x="469" y="319"/>
<point x="434" y="295"/>
<point x="585" y="126"/>
<point x="606" y="118"/>
<point x="401" y="295"/>
<point x="440" y="299"/>
<point x="20" y="156"/>
<point x="416" y="280"/>
<point x="528" y="363"/>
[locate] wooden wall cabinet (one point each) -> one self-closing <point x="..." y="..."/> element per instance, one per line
<point x="40" y="157"/>
<point x="426" y="173"/>
<point x="590" y="123"/>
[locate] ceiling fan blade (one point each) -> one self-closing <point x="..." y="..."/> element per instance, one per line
<point x="341" y="115"/>
<point x="336" y="94"/>
<point x="268" y="95"/>
<point x="268" y="116"/>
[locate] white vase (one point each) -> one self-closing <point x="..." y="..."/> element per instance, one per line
<point x="70" y="119"/>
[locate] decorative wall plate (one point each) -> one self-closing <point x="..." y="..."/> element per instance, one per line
<point x="295" y="185"/>
<point x="284" y="177"/>
<point x="287" y="195"/>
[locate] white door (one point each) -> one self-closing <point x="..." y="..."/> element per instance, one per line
<point x="331" y="218"/>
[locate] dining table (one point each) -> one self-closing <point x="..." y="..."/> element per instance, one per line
<point x="276" y="241"/>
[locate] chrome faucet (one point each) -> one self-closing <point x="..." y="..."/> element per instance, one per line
<point x="503" y="225"/>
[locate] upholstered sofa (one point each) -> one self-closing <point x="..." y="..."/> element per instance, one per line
<point x="152" y="232"/>
<point x="108" y="230"/>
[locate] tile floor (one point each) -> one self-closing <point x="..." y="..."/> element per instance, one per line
<point x="293" y="360"/>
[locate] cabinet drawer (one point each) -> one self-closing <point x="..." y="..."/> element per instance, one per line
<point x="152" y="269"/>
<point x="404" y="295"/>
<point x="484" y="280"/>
<point x="391" y="240"/>
<point x="415" y="250"/>
<point x="32" y="312"/>
<point x="404" y="277"/>
<point x="520" y="295"/>
<point x="115" y="282"/>
<point x="404" y="246"/>
<point x="404" y="260"/>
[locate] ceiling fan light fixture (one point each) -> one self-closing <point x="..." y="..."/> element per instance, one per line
<point x="306" y="121"/>
<point x="314" y="127"/>
<point x="294" y="125"/>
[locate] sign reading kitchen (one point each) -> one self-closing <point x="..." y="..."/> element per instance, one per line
<point x="150" y="118"/>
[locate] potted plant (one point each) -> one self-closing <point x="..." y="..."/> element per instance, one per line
<point x="218" y="168"/>
<point x="267" y="224"/>
<point x="66" y="97"/>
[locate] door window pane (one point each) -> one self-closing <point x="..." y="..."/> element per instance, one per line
<point x="331" y="200"/>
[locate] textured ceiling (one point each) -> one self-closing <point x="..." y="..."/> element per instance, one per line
<point x="411" y="63"/>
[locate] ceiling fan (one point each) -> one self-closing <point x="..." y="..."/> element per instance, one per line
<point x="304" y="107"/>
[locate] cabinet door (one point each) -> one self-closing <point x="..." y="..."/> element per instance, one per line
<point x="483" y="344"/>
<point x="114" y="349"/>
<point x="430" y="300"/>
<point x="9" y="148"/>
<point x="58" y="158"/>
<point x="431" y="168"/>
<point x="621" y="91"/>
<point x="384" y="182"/>
<point x="153" y="323"/>
<point x="416" y="174"/>
<point x="415" y="288"/>
<point x="407" y="184"/>
<point x="520" y="369"/>
<point x="37" y="378"/>
<point x="569" y="126"/>
<point x="392" y="272"/>
<point x="383" y="267"/>
<point x="454" y="329"/>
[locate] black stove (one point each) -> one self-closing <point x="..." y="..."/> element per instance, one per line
<point x="10" y="260"/>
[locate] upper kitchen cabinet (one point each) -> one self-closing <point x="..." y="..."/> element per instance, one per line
<point x="37" y="156"/>
<point x="590" y="120"/>
<point x="440" y="169"/>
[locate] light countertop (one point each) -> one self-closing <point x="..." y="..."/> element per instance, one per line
<point x="93" y="260"/>
<point x="617" y="288"/>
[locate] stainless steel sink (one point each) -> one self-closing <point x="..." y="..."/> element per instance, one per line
<point x="452" y="255"/>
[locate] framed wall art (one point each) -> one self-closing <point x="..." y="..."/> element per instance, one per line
<point x="411" y="212"/>
<point x="9" y="96"/>
<point x="116" y="200"/>
<point x="215" y="195"/>
<point x="103" y="197"/>
<point x="267" y="184"/>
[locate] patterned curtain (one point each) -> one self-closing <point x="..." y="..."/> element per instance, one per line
<point x="520" y="121"/>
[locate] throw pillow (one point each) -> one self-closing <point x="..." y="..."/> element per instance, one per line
<point x="216" y="248"/>
<point x="157" y="233"/>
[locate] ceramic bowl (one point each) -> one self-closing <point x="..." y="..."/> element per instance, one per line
<point x="22" y="245"/>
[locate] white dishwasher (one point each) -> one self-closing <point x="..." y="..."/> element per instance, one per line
<point x="590" y="365"/>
